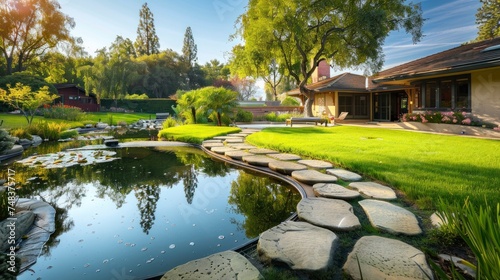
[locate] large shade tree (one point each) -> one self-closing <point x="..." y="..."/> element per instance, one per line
<point x="347" y="33"/>
<point x="28" y="29"/>
<point x="488" y="19"/>
<point x="147" y="41"/>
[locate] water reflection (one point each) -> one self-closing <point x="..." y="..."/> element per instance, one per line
<point x="150" y="181"/>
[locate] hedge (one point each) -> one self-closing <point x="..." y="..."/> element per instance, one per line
<point x="152" y="105"/>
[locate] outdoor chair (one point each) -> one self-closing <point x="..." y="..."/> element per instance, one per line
<point x="341" y="117"/>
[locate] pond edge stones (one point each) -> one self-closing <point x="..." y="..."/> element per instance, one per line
<point x="391" y="218"/>
<point x="334" y="214"/>
<point x="299" y="245"/>
<point x="223" y="265"/>
<point x="385" y="258"/>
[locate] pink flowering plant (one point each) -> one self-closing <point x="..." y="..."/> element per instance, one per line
<point x="449" y="117"/>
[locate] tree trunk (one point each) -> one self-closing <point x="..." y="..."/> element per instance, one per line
<point x="193" y="112"/>
<point x="308" y="107"/>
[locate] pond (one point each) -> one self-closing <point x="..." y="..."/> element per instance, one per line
<point x="148" y="211"/>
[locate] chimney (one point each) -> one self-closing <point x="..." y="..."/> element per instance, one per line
<point x="321" y="72"/>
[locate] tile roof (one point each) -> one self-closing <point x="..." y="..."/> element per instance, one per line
<point x="342" y="82"/>
<point x="466" y="57"/>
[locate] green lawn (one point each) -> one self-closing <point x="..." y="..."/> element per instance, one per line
<point x="195" y="133"/>
<point x="423" y="166"/>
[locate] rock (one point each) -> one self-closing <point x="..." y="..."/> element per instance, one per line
<point x="211" y="145"/>
<point x="334" y="191"/>
<point x="285" y="156"/>
<point x="285" y="167"/>
<point x="222" y="150"/>
<point x="101" y="125"/>
<point x="333" y="214"/>
<point x="238" y="134"/>
<point x="458" y="262"/>
<point x="391" y="218"/>
<point x="344" y="174"/>
<point x="436" y="221"/>
<point x="227" y="137"/>
<point x="299" y="245"/>
<point x="234" y="140"/>
<point x="224" y="265"/>
<point x="262" y="151"/>
<point x="241" y="146"/>
<point x="258" y="160"/>
<point x="385" y="258"/>
<point x="22" y="220"/>
<point x="373" y="190"/>
<point x="312" y="177"/>
<point x="212" y="141"/>
<point x="238" y="155"/>
<point x="318" y="164"/>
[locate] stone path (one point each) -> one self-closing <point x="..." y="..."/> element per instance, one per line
<point x="309" y="244"/>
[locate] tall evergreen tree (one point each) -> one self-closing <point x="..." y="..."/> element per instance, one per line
<point x="488" y="19"/>
<point x="147" y="41"/>
<point x="189" y="49"/>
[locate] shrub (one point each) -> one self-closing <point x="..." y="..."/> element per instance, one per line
<point x="449" y="117"/>
<point x="47" y="130"/>
<point x="21" y="133"/>
<point x="170" y="122"/>
<point x="6" y="142"/>
<point x="272" y="117"/>
<point x="290" y="101"/>
<point x="72" y="133"/>
<point x="63" y="112"/>
<point x="243" y="116"/>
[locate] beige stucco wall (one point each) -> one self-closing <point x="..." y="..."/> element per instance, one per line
<point x="324" y="102"/>
<point x="485" y="88"/>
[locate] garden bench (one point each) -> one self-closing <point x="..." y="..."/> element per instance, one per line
<point x="314" y="120"/>
<point x="162" y="116"/>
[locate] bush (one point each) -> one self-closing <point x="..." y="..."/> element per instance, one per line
<point x="63" y="112"/>
<point x="280" y="117"/>
<point x="6" y="142"/>
<point x="290" y="101"/>
<point x="151" y="105"/>
<point x="170" y="122"/>
<point x="449" y="117"/>
<point x="243" y="116"/>
<point x="21" y="133"/>
<point x="72" y="133"/>
<point x="47" y="130"/>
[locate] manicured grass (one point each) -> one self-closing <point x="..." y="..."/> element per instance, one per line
<point x="195" y="133"/>
<point x="423" y="166"/>
<point x="15" y="121"/>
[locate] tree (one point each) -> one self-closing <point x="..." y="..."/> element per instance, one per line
<point x="188" y="104"/>
<point x="147" y="42"/>
<point x="488" y="19"/>
<point x="22" y="98"/>
<point x="300" y="33"/>
<point x="246" y="87"/>
<point x="29" y="28"/>
<point x="218" y="101"/>
<point x="189" y="49"/>
<point x="215" y="70"/>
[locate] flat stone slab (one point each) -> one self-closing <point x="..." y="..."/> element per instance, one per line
<point x="334" y="214"/>
<point x="385" y="258"/>
<point x="212" y="141"/>
<point x="258" y="160"/>
<point x="373" y="190"/>
<point x="285" y="156"/>
<point x="286" y="167"/>
<point x="241" y="134"/>
<point x="330" y="190"/>
<point x="344" y="174"/>
<point x="223" y="265"/>
<point x="237" y="154"/>
<point x="313" y="163"/>
<point x="226" y="137"/>
<point x="312" y="177"/>
<point x="213" y="144"/>
<point x="299" y="245"/>
<point x="222" y="150"/>
<point x="391" y="218"/>
<point x="241" y="146"/>
<point x="236" y="140"/>
<point x="263" y="151"/>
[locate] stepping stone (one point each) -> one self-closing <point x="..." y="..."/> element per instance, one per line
<point x="299" y="245"/>
<point x="212" y="141"/>
<point x="224" y="265"/>
<point x="334" y="191"/>
<point x="313" y="163"/>
<point x="285" y="156"/>
<point x="262" y="151"/>
<point x="258" y="160"/>
<point x="312" y="177"/>
<point x="373" y="190"/>
<point x="334" y="214"/>
<point x="211" y="145"/>
<point x="390" y="218"/>
<point x="239" y="140"/>
<point x="237" y="154"/>
<point x="241" y="134"/>
<point x="286" y="167"/>
<point x="241" y="146"/>
<point x="344" y="174"/>
<point x="385" y="258"/>
<point x="225" y="137"/>
<point x="222" y="150"/>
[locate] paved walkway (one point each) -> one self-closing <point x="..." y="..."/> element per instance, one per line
<point x="377" y="257"/>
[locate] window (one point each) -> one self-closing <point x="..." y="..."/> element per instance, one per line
<point x="72" y="97"/>
<point x="450" y="93"/>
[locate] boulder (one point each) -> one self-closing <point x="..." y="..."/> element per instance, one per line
<point x="334" y="214"/>
<point x="299" y="245"/>
<point x="391" y="218"/>
<point x="334" y="191"/>
<point x="223" y="265"/>
<point x="22" y="220"/>
<point x="385" y="258"/>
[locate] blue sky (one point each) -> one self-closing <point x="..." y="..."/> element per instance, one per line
<point x="449" y="23"/>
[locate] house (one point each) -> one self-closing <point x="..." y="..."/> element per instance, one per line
<point x="465" y="78"/>
<point x="73" y="95"/>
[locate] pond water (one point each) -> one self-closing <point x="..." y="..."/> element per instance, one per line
<point x="148" y="212"/>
